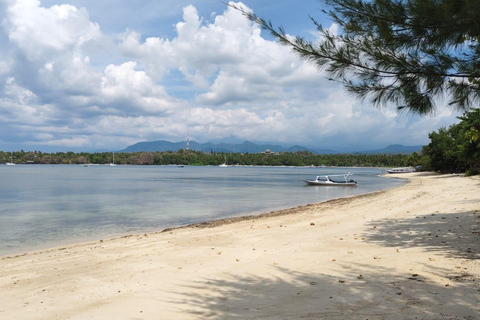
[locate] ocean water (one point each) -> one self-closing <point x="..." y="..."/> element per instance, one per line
<point x="45" y="206"/>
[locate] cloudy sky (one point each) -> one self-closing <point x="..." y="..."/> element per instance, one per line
<point x="94" y="75"/>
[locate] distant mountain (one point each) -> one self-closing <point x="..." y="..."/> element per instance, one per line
<point x="245" y="147"/>
<point x="154" y="146"/>
<point x="250" y="147"/>
<point x="297" y="148"/>
<point x="395" y="149"/>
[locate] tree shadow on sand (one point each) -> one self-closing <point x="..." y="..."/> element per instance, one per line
<point x="358" y="291"/>
<point x="361" y="293"/>
<point x="455" y="234"/>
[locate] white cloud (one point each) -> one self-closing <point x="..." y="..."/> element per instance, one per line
<point x="17" y="93"/>
<point x="39" y="32"/>
<point x="66" y="83"/>
<point x="74" y="142"/>
<point x="4" y="68"/>
<point x="123" y="85"/>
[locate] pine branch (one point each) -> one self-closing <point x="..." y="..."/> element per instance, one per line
<point x="395" y="51"/>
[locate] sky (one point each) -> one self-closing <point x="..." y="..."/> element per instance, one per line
<point x="86" y="75"/>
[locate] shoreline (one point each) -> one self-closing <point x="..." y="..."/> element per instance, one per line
<point x="41" y="220"/>
<point x="209" y="223"/>
<point x="398" y="253"/>
<point x="274" y="213"/>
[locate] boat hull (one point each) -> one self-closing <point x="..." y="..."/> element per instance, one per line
<point x="393" y="171"/>
<point x="330" y="183"/>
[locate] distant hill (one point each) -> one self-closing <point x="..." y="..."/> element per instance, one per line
<point x="245" y="147"/>
<point x="250" y="147"/>
<point x="154" y="146"/>
<point x="298" y="148"/>
<point x="395" y="149"/>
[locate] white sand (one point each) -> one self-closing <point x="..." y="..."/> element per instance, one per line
<point x="408" y="253"/>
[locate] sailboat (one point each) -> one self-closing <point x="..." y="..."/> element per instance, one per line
<point x="224" y="165"/>
<point x="11" y="163"/>
<point x="113" y="163"/>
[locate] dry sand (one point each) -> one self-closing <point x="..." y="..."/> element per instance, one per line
<point x="411" y="252"/>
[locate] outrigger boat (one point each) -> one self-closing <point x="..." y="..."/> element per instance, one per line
<point x="327" y="181"/>
<point x="401" y="170"/>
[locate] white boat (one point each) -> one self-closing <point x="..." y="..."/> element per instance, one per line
<point x="401" y="170"/>
<point x="11" y="163"/>
<point x="328" y="181"/>
<point x="224" y="165"/>
<point x="113" y="163"/>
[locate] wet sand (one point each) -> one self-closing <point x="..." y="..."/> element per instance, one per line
<point x="412" y="252"/>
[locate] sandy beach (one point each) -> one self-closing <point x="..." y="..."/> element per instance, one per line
<point x="411" y="252"/>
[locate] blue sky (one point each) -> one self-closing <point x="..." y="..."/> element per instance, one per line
<point x="91" y="75"/>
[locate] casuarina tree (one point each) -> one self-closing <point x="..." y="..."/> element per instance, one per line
<point x="409" y="53"/>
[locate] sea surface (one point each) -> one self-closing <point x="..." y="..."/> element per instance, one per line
<point x="45" y="206"/>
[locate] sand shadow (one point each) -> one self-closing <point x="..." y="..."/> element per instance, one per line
<point x="456" y="234"/>
<point x="361" y="293"/>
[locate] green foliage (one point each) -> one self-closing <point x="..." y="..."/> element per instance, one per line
<point x="426" y="163"/>
<point x="405" y="52"/>
<point x="189" y="157"/>
<point x="443" y="151"/>
<point x="472" y="172"/>
<point x="469" y="142"/>
<point x="457" y="148"/>
<point x="413" y="160"/>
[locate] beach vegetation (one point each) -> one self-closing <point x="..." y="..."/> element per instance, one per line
<point x="456" y="148"/>
<point x="413" y="160"/>
<point x="405" y="53"/>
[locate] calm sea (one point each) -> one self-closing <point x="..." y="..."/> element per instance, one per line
<point x="45" y="206"/>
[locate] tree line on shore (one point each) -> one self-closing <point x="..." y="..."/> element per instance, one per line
<point x="191" y="157"/>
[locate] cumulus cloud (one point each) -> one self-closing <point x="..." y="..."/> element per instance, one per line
<point x="66" y="83"/>
<point x="134" y="92"/>
<point x="40" y="32"/>
<point x="16" y="93"/>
